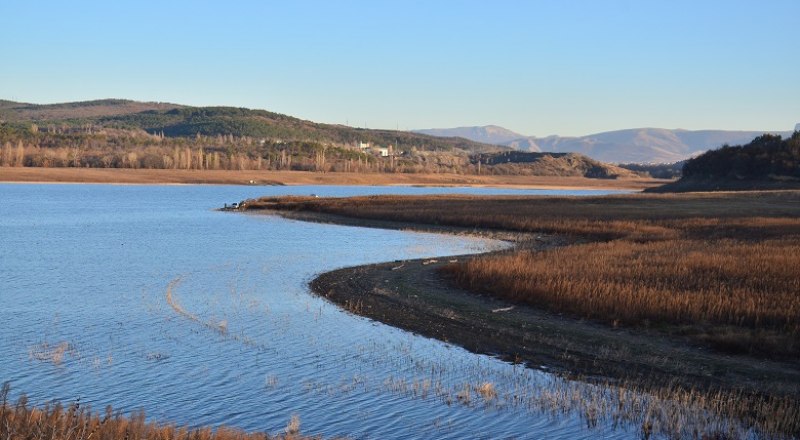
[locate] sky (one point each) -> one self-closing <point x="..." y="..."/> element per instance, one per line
<point x="538" y="67"/>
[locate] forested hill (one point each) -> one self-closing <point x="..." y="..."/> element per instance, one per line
<point x="174" y="120"/>
<point x="83" y="111"/>
<point x="127" y="134"/>
<point x="768" y="162"/>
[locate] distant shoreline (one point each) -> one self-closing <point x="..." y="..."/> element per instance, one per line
<point x="124" y="176"/>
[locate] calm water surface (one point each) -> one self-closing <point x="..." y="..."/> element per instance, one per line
<point x="144" y="297"/>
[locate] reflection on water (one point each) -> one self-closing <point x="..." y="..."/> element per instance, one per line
<point x="144" y="297"/>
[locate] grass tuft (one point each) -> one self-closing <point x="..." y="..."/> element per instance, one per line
<point x="77" y="422"/>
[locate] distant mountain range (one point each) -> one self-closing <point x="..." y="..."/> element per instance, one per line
<point x="638" y="145"/>
<point x="488" y="134"/>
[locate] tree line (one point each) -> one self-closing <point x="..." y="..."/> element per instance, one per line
<point x="92" y="147"/>
<point x="767" y="157"/>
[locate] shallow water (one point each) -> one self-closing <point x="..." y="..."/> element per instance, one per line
<point x="144" y="297"/>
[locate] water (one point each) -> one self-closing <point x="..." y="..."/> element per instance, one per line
<point x="144" y="297"/>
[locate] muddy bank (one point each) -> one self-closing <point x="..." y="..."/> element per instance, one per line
<point x="414" y="295"/>
<point x="251" y="177"/>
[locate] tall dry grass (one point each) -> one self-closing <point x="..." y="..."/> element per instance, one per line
<point x="19" y="421"/>
<point x="743" y="297"/>
<point x="633" y="216"/>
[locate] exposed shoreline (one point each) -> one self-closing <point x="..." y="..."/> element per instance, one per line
<point x="125" y="176"/>
<point x="415" y="296"/>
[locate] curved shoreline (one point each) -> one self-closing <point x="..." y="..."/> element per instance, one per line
<point x="415" y="296"/>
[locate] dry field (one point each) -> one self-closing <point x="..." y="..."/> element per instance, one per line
<point x="722" y="269"/>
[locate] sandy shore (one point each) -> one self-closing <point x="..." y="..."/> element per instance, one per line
<point x="223" y="177"/>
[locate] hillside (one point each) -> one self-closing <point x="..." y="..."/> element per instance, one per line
<point x="181" y="121"/>
<point x="115" y="133"/>
<point x="550" y="164"/>
<point x="767" y="162"/>
<point x="639" y="145"/>
<point x="22" y="112"/>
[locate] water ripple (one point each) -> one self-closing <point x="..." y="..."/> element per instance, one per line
<point x="241" y="341"/>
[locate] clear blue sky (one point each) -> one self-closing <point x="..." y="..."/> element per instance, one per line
<point x="536" y="67"/>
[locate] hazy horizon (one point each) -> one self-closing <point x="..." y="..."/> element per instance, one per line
<point x="536" y="68"/>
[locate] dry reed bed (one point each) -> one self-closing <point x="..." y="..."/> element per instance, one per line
<point x="77" y="422"/>
<point x="743" y="296"/>
<point x="632" y="216"/>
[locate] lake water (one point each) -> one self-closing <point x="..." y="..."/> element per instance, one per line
<point x="145" y="297"/>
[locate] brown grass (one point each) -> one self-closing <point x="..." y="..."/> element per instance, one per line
<point x="153" y="176"/>
<point x="738" y="296"/>
<point x="76" y="422"/>
<point x="723" y="269"/>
